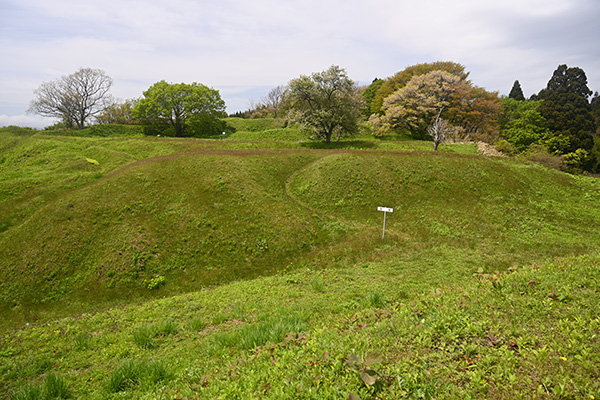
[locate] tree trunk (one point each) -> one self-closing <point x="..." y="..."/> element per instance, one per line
<point x="328" y="135"/>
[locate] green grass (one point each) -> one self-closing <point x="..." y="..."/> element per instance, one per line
<point x="219" y="216"/>
<point x="108" y="130"/>
<point x="129" y="374"/>
<point x="530" y="332"/>
<point x="54" y="387"/>
<point x="140" y="268"/>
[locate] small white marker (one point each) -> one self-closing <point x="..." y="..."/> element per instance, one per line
<point x="385" y="211"/>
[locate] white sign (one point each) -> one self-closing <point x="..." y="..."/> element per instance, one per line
<point x="385" y="211"/>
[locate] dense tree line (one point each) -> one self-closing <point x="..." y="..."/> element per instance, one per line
<point x="434" y="101"/>
<point x="560" y="118"/>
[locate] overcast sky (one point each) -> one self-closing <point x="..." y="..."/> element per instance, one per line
<point x="243" y="48"/>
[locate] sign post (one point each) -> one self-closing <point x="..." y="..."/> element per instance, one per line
<point x="385" y="211"/>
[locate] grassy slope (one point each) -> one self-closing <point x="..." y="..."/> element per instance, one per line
<point x="531" y="333"/>
<point x="200" y="213"/>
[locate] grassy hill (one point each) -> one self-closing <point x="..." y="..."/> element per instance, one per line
<point x="254" y="268"/>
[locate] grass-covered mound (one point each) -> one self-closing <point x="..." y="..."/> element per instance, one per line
<point x="106" y="130"/>
<point x="36" y="168"/>
<point x="180" y="222"/>
<point x="197" y="219"/>
<point x="504" y="210"/>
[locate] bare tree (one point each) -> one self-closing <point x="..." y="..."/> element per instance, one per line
<point x="439" y="130"/>
<point x="73" y="98"/>
<point x="274" y="99"/>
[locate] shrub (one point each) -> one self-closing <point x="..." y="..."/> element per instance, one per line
<point x="505" y="147"/>
<point x="541" y="155"/>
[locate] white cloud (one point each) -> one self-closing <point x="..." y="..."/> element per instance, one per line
<point x="29" y="121"/>
<point x="242" y="48"/>
<point x="499" y="41"/>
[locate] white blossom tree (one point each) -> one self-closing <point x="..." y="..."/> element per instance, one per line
<point x="415" y="106"/>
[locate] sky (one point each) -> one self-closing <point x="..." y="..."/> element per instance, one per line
<point x="244" y="48"/>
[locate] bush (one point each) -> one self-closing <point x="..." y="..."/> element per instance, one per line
<point x="578" y="160"/>
<point x="504" y="147"/>
<point x="541" y="155"/>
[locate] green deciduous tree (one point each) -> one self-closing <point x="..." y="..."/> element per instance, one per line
<point x="522" y="124"/>
<point x="595" y="103"/>
<point x="119" y="112"/>
<point x="74" y="98"/>
<point x="180" y="109"/>
<point x="369" y="94"/>
<point x="325" y="103"/>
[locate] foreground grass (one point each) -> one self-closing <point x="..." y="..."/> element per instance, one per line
<point x="373" y="330"/>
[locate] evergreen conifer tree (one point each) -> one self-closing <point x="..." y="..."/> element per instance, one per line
<point x="516" y="92"/>
<point x="567" y="110"/>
